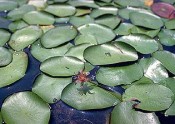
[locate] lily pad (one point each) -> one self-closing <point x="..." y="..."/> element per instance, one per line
<point x="62" y="20"/>
<point x="167" y="37"/>
<point x="134" y="3"/>
<point x="58" y="36"/>
<point x="62" y="66"/>
<point x="156" y="97"/>
<point x="41" y="53"/>
<point x="153" y="69"/>
<point x="124" y="113"/>
<point x="82" y="11"/>
<point x="113" y="76"/>
<point x="98" y="99"/>
<point x="5" y="56"/>
<point x="24" y="37"/>
<point x="15" y="70"/>
<point x="38" y="18"/>
<point x="163" y="56"/>
<point x="146" y="19"/>
<point x="110" y="53"/>
<point x="4" y="37"/>
<point x="141" y="43"/>
<point x="81" y="39"/>
<point x="102" y="33"/>
<point x="25" y="107"/>
<point x="61" y="10"/>
<point x="123" y="29"/>
<point x="49" y="88"/>
<point x="83" y="3"/>
<point x="1" y="121"/>
<point x="16" y="25"/>
<point x="7" y="5"/>
<point x="170" y="24"/>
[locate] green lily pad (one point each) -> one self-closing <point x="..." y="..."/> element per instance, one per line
<point x="167" y="59"/>
<point x="24" y="37"/>
<point x="167" y="37"/>
<point x="124" y="113"/>
<point x="61" y="10"/>
<point x="146" y="19"/>
<point x="62" y="20"/>
<point x="25" y="107"/>
<point x="170" y="24"/>
<point x="62" y="66"/>
<point x="109" y="21"/>
<point x="16" y="25"/>
<point x="4" y="37"/>
<point x="141" y="43"/>
<point x="20" y="2"/>
<point x="88" y="67"/>
<point x="97" y="100"/>
<point x="156" y="97"/>
<point x="113" y="76"/>
<point x="110" y="53"/>
<point x="102" y="34"/>
<point x="123" y="29"/>
<point x="16" y="69"/>
<point x="18" y="13"/>
<point x="5" y="56"/>
<point x="134" y="3"/>
<point x="46" y="28"/>
<point x="104" y="11"/>
<point x="58" y="36"/>
<point x="81" y="39"/>
<point x="1" y="121"/>
<point x="153" y="69"/>
<point x="83" y="3"/>
<point x="77" y="51"/>
<point x="78" y="21"/>
<point x="7" y="5"/>
<point x="41" y="53"/>
<point x="106" y="1"/>
<point x="140" y="30"/>
<point x="171" y="110"/>
<point x="39" y="4"/>
<point x="49" y="88"/>
<point x="82" y="11"/>
<point x="38" y="18"/>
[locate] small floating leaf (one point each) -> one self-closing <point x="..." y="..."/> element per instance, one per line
<point x="5" y="56"/>
<point x="124" y="113"/>
<point x="170" y="24"/>
<point x="153" y="69"/>
<point x="7" y="5"/>
<point x="82" y="11"/>
<point x="159" y="97"/>
<point x="102" y="34"/>
<point x="25" y="107"/>
<point x="98" y="99"/>
<point x="16" y="69"/>
<point x="113" y="76"/>
<point x="49" y="88"/>
<point x="61" y="10"/>
<point x="38" y="18"/>
<point x="141" y="43"/>
<point x="110" y="53"/>
<point x="62" y="66"/>
<point x="83" y="3"/>
<point x="123" y="29"/>
<point x="167" y="59"/>
<point x="58" y="36"/>
<point x="4" y="37"/>
<point x="81" y="39"/>
<point x="16" y="25"/>
<point x="24" y="37"/>
<point x="171" y="110"/>
<point x="135" y="3"/>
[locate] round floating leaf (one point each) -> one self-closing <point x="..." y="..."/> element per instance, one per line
<point x="82" y="11"/>
<point x="124" y="113"/>
<point x="141" y="43"/>
<point x="81" y="39"/>
<point x="171" y="110"/>
<point x="123" y="29"/>
<point x="167" y="59"/>
<point x="98" y="98"/>
<point x="39" y="4"/>
<point x="41" y="53"/>
<point x="135" y="3"/>
<point x="62" y="66"/>
<point x="83" y="3"/>
<point x="25" y="107"/>
<point x="167" y="37"/>
<point x="113" y="76"/>
<point x="5" y="56"/>
<point x="24" y="37"/>
<point x="58" y="36"/>
<point x="4" y="37"/>
<point x="15" y="70"/>
<point x="156" y="97"/>
<point x="104" y="11"/>
<point x="146" y="19"/>
<point x="38" y="18"/>
<point x="48" y="88"/>
<point x="153" y="69"/>
<point x="110" y="53"/>
<point x="18" y="13"/>
<point x="60" y="10"/>
<point x="16" y="25"/>
<point x="77" y="51"/>
<point x="7" y="5"/>
<point x="102" y="34"/>
<point x="170" y="24"/>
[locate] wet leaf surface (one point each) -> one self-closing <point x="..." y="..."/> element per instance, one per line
<point x="5" y="56"/>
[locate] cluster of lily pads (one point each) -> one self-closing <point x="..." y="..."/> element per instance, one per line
<point x="70" y="38"/>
